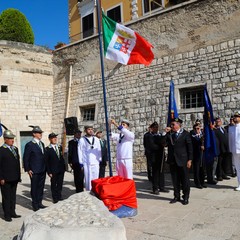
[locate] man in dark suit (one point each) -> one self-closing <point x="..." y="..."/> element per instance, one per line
<point x="34" y="164"/>
<point x="222" y="141"/>
<point x="103" y="163"/>
<point x="55" y="167"/>
<point x="9" y="175"/>
<point x="180" y="155"/>
<point x="73" y="161"/>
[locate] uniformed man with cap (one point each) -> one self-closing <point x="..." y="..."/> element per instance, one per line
<point x="55" y="167"/>
<point x="90" y="155"/>
<point x="34" y="164"/>
<point x="234" y="144"/>
<point x="9" y="175"/>
<point x="180" y="155"/>
<point x="73" y="161"/>
<point x="103" y="163"/>
<point x="124" y="140"/>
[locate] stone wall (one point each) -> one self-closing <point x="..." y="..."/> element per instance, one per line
<point x="193" y="45"/>
<point x="27" y="72"/>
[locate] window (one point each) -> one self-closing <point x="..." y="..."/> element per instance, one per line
<point x="87" y="25"/>
<point x="150" y="5"/>
<point x="115" y="14"/>
<point x="191" y="97"/>
<point x="4" y="88"/>
<point x="88" y="113"/>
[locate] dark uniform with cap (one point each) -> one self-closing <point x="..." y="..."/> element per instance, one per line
<point x="9" y="175"/>
<point x="34" y="164"/>
<point x="180" y="154"/>
<point x="73" y="161"/>
<point x="55" y="167"/>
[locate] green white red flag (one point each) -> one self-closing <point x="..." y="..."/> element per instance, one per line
<point x="123" y="45"/>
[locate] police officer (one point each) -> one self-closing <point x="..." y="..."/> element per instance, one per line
<point x="34" y="164"/>
<point x="9" y="175"/>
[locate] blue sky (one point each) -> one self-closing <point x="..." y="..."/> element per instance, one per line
<point x="48" y="18"/>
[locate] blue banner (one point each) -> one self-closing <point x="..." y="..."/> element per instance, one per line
<point x="209" y="135"/>
<point x="172" y="107"/>
<point x="0" y="129"/>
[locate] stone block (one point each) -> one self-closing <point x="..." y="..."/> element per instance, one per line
<point x="80" y="217"/>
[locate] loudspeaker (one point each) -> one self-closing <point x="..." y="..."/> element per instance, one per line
<point x="71" y="124"/>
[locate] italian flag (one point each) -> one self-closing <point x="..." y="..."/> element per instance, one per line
<point x="123" y="45"/>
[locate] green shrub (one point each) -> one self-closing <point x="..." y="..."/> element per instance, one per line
<point x="15" y="27"/>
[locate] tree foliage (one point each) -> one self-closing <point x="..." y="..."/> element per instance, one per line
<point x="14" y="26"/>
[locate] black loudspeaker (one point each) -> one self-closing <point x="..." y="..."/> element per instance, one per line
<point x="71" y="124"/>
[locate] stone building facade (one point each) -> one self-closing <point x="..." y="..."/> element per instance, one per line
<point x="26" y="80"/>
<point x="195" y="43"/>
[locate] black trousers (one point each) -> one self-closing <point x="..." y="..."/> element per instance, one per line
<point x="149" y="167"/>
<point x="56" y="186"/>
<point x="158" y="179"/>
<point x="78" y="175"/>
<point x="37" y="188"/>
<point x="198" y="171"/>
<point x="222" y="158"/>
<point x="8" y="191"/>
<point x="180" y="180"/>
<point x="102" y="169"/>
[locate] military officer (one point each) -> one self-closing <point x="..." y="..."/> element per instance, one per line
<point x="34" y="165"/>
<point x="9" y="175"/>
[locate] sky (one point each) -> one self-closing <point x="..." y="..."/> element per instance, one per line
<point x="48" y="18"/>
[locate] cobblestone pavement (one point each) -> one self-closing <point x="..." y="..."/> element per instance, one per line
<point x="212" y="214"/>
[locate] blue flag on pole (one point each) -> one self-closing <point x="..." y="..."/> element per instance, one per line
<point x="0" y="129"/>
<point x="209" y="135"/>
<point x="172" y="107"/>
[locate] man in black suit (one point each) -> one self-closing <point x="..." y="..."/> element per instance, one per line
<point x="9" y="175"/>
<point x="180" y="155"/>
<point x="34" y="164"/>
<point x="55" y="167"/>
<point x="222" y="141"/>
<point x="103" y="163"/>
<point x="73" y="161"/>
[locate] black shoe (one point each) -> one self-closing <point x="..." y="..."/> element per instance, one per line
<point x="174" y="200"/>
<point x="163" y="190"/>
<point x="8" y="219"/>
<point x="204" y="185"/>
<point x="226" y="178"/>
<point x="212" y="182"/>
<point x="156" y="192"/>
<point x="41" y="206"/>
<point x="15" y="216"/>
<point x="185" y="202"/>
<point x="35" y="209"/>
<point x="199" y="186"/>
<point x="55" y="201"/>
<point x="220" y="179"/>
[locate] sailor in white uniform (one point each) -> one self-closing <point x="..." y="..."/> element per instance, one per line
<point x="124" y="140"/>
<point x="234" y="144"/>
<point x="89" y="154"/>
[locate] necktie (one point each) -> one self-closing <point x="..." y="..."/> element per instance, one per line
<point x="13" y="151"/>
<point x="40" y="145"/>
<point x="57" y="150"/>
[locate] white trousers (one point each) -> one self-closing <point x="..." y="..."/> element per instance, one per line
<point x="124" y="168"/>
<point x="91" y="172"/>
<point x="236" y="162"/>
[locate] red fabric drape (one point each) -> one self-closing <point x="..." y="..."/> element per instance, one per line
<point x="115" y="192"/>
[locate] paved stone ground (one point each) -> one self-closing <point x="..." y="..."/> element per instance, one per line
<point x="212" y="214"/>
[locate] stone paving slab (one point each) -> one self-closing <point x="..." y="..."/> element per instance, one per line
<point x="212" y="214"/>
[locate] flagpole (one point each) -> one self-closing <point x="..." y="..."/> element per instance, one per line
<point x="104" y="87"/>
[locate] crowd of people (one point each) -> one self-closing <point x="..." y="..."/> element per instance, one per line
<point x="88" y="156"/>
<point x="186" y="150"/>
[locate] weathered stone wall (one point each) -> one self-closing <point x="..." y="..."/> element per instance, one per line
<point x="194" y="45"/>
<point x="27" y="71"/>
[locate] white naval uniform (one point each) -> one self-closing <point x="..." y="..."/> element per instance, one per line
<point x="89" y="154"/>
<point x="124" y="162"/>
<point x="234" y="146"/>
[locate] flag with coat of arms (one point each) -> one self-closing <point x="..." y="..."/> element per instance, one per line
<point x="123" y="45"/>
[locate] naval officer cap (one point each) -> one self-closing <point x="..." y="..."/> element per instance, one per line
<point x="36" y="129"/>
<point x="154" y="124"/>
<point x="236" y="114"/>
<point x="52" y="135"/>
<point x="77" y="131"/>
<point x="8" y="134"/>
<point x="125" y="121"/>
<point x="178" y="120"/>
